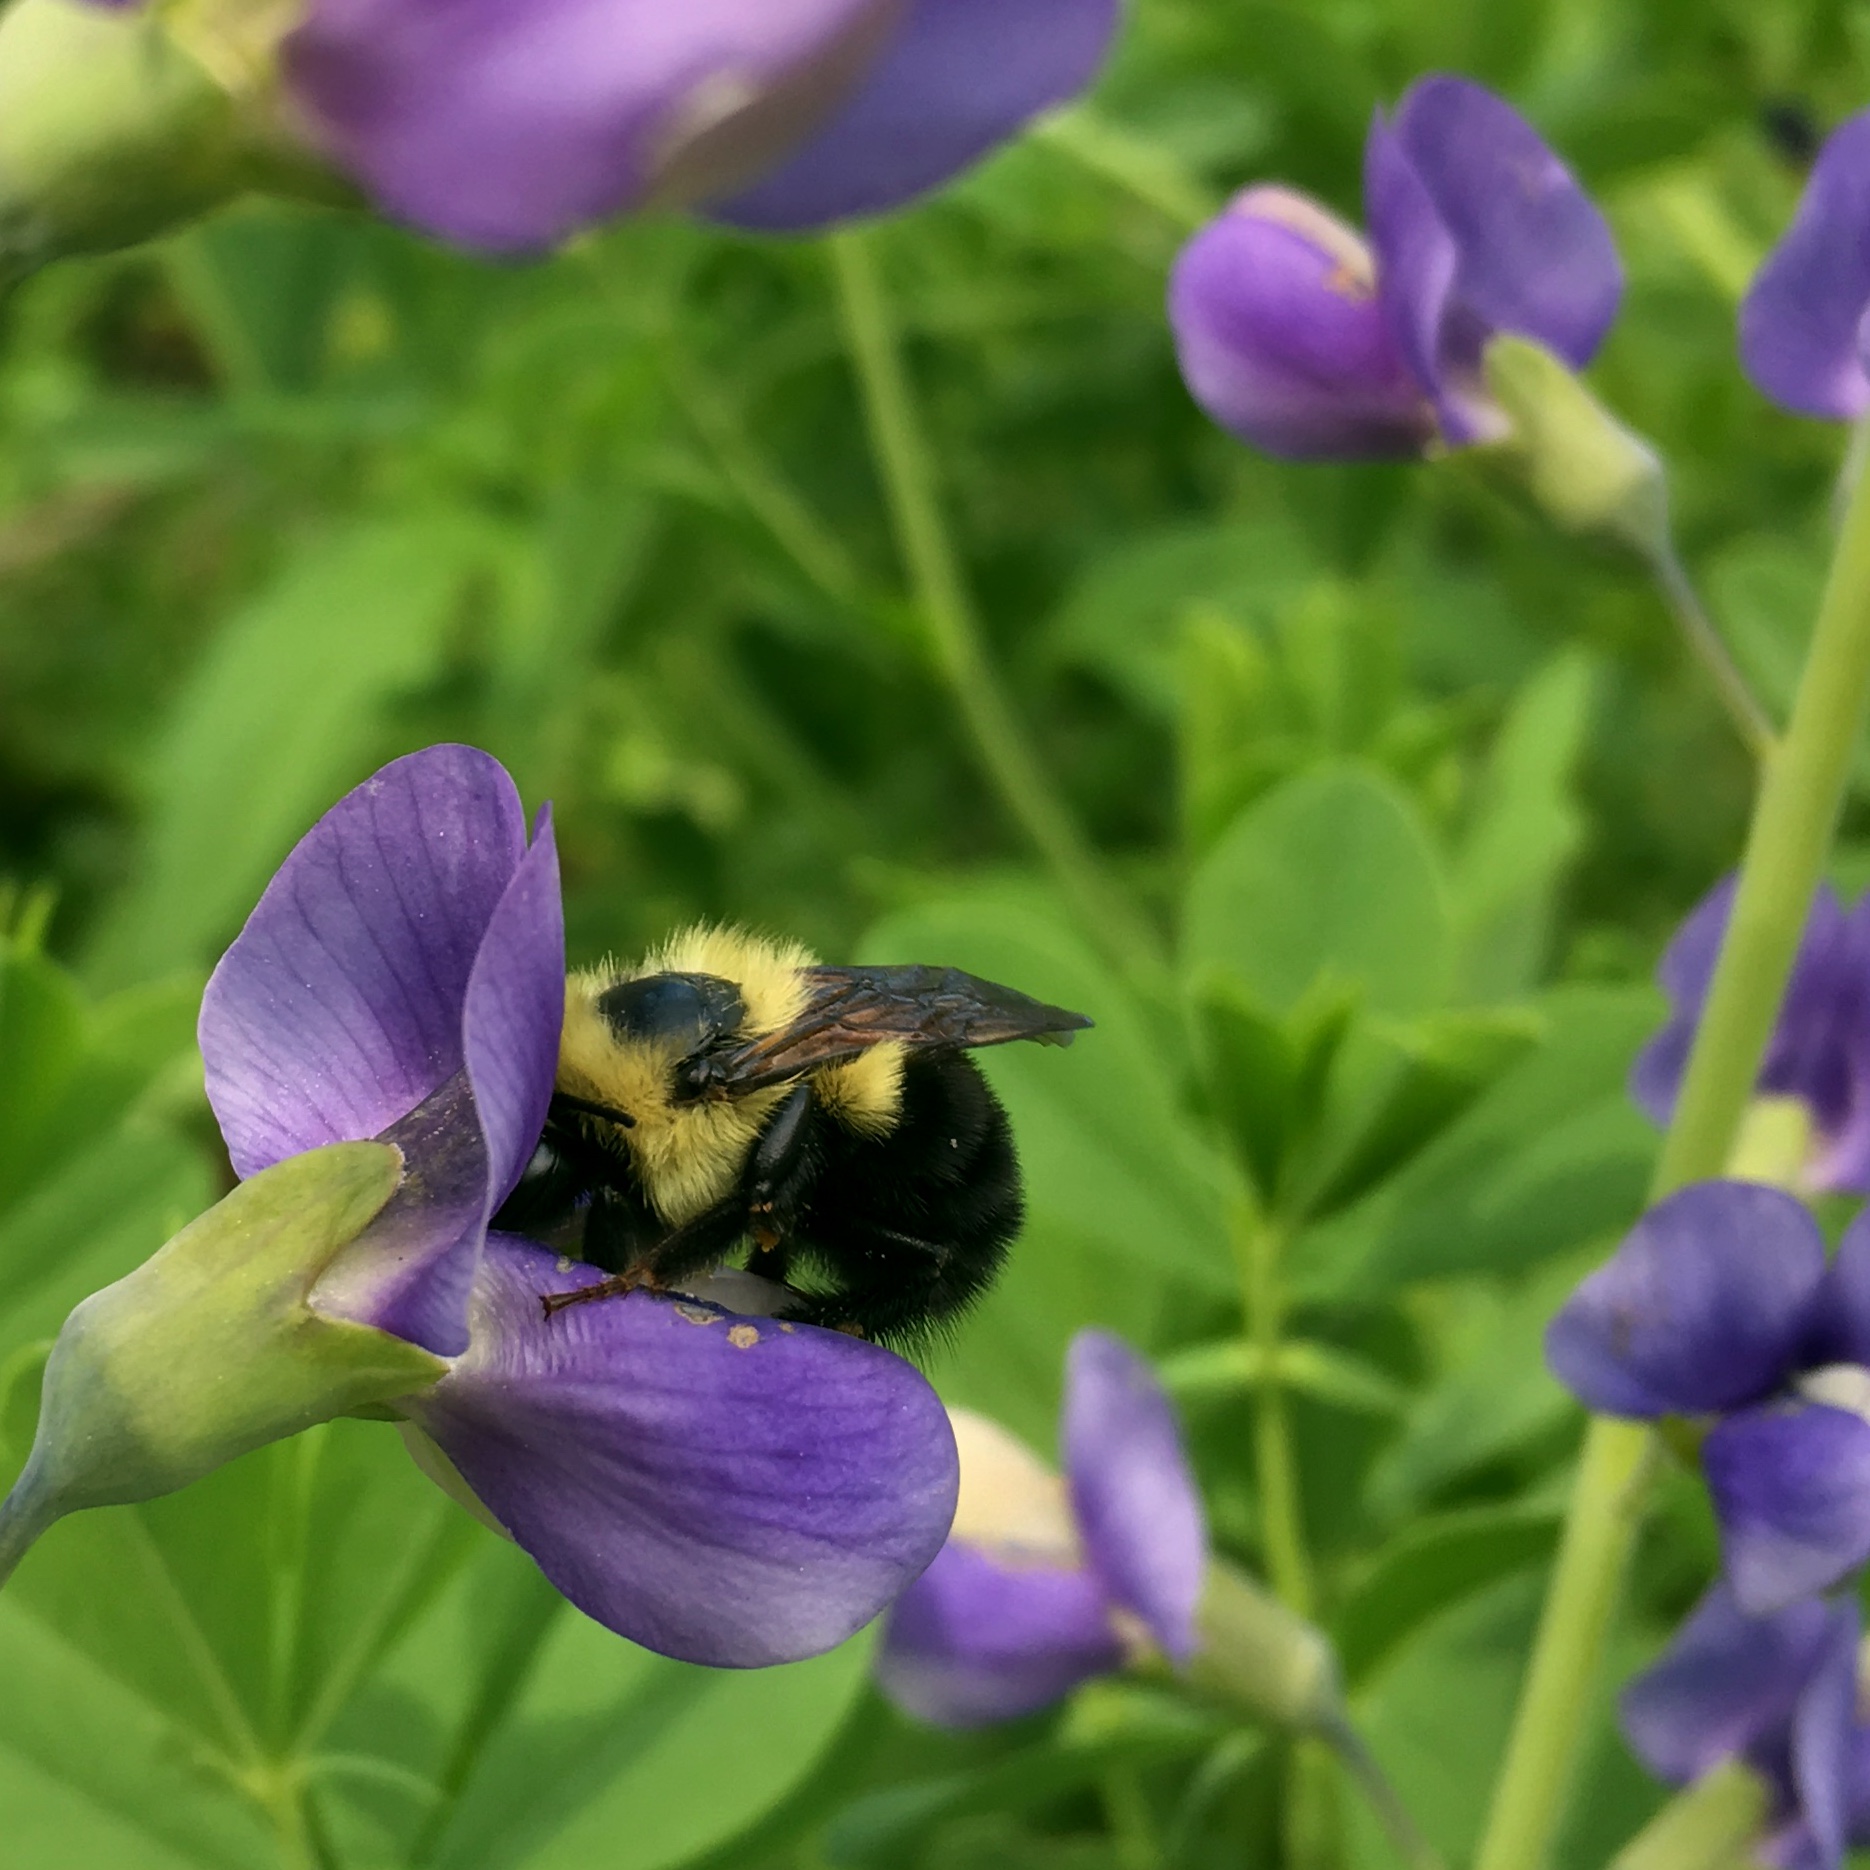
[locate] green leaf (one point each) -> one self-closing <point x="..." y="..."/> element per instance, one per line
<point x="1250" y="1072"/>
<point x="233" y="1622"/>
<point x="1437" y="1711"/>
<point x="1493" y="1393"/>
<point x="1552" y="1155"/>
<point x="96" y="1775"/>
<point x="611" y="1755"/>
<point x="276" y="722"/>
<point x="1430" y="1565"/>
<point x="1123" y="617"/>
<point x="1433" y="1070"/>
<point x="1525" y="830"/>
<point x="1123" y="1199"/>
<point x="1330" y="880"/>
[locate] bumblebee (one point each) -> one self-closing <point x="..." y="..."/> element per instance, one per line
<point x="730" y="1089"/>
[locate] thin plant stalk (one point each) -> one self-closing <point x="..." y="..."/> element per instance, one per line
<point x="1795" y="815"/>
<point x="906" y="465"/>
<point x="1705" y="643"/>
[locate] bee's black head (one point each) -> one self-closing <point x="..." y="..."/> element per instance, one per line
<point x="684" y="1012"/>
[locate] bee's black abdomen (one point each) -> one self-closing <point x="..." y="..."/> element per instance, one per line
<point x="910" y="1227"/>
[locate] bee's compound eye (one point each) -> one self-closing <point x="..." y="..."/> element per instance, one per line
<point x="685" y="1010"/>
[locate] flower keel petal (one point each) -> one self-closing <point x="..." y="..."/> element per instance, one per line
<point x="729" y="1491"/>
<point x="976" y="1640"/>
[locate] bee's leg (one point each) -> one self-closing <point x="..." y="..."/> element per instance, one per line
<point x="779" y="1174"/>
<point x="691" y="1248"/>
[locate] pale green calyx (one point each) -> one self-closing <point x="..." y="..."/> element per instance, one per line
<point x="117" y="126"/>
<point x="1716" y="1824"/>
<point x="1580" y="465"/>
<point x="210" y="1348"/>
<point x="1262" y="1658"/>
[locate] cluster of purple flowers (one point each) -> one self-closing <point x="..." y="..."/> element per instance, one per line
<point x="1312" y="341"/>
<point x="1721" y="1310"/>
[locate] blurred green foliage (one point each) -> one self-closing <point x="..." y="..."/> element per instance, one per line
<point x="1412" y="788"/>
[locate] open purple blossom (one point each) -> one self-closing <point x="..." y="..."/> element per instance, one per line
<point x="1803" y="321"/>
<point x="1046" y="1582"/>
<point x="510" y="124"/>
<point x="1719" y="1304"/>
<point x="1303" y="339"/>
<point x="723" y="1488"/>
<point x="1778" y="1693"/>
<point x="1820" y="1049"/>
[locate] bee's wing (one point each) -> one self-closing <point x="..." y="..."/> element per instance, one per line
<point x="849" y="1009"/>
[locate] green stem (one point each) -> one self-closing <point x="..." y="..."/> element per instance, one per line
<point x="1801" y="791"/>
<point x="1258" y="1246"/>
<point x="908" y="473"/>
<point x="1705" y="643"/>
<point x="1361" y="1768"/>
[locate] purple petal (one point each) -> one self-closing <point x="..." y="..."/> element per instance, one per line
<point x="1818" y="1050"/>
<point x="732" y="1491"/>
<point x="1686" y="970"/>
<point x="1705" y="1306"/>
<point x="1536" y="256"/>
<point x="412" y="1271"/>
<point x="975" y="1640"/>
<point x="338" y="1008"/>
<point x="1842" y="1314"/>
<point x="1417" y="264"/>
<point x="1824" y="1736"/>
<point x="514" y="1008"/>
<point x="960" y="77"/>
<point x="1801" y="321"/>
<point x="1726" y="1681"/>
<point x="1135" y="1500"/>
<point x="1281" y="339"/>
<point x="1791" y="1489"/>
<point x="508" y="126"/>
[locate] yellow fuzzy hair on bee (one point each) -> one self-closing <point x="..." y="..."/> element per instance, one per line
<point x="688" y="1155"/>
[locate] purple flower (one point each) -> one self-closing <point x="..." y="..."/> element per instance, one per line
<point x="1777" y="1692"/>
<point x="1820" y="1049"/>
<point x="510" y="124"/>
<point x="1304" y="341"/>
<point x="1802" y="323"/>
<point x="1047" y="1582"/>
<point x="723" y="1488"/>
<point x="1719" y="1304"/>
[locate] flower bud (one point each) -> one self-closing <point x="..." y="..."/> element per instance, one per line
<point x="212" y="1347"/>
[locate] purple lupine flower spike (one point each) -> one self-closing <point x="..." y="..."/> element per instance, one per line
<point x="1776" y="1692"/>
<point x="1045" y="1583"/>
<point x="1720" y="1303"/>
<point x="1300" y="339"/>
<point x="1802" y="323"/>
<point x="1820" y="1048"/>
